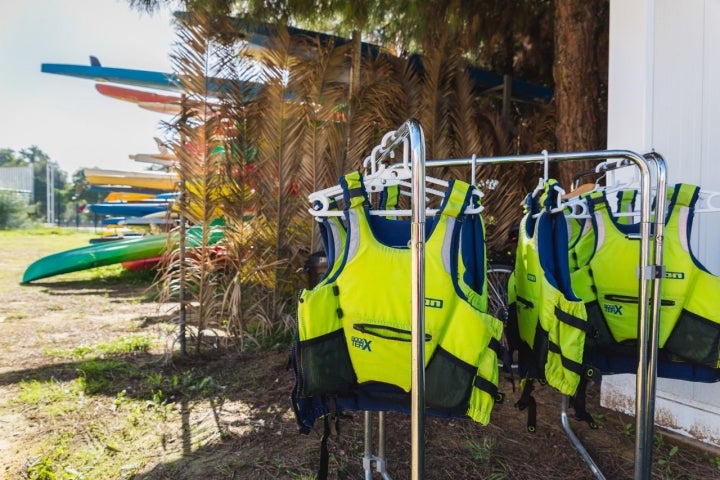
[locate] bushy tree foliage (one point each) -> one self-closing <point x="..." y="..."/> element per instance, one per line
<point x="13" y="211"/>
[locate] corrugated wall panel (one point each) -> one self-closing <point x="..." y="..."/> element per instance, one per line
<point x="667" y="51"/>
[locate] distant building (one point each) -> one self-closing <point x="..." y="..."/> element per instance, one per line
<point x="19" y="181"/>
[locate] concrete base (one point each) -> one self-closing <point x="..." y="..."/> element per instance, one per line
<point x="690" y="409"/>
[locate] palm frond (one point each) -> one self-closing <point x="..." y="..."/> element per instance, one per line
<point x="193" y="272"/>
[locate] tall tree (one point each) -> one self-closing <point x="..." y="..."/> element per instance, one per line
<point x="8" y="158"/>
<point x="580" y="72"/>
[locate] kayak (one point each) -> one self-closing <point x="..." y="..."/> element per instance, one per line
<point x="166" y="160"/>
<point x="127" y="197"/>
<point x="154" y="180"/>
<point x="95" y="255"/>
<point x="109" y="253"/>
<point x="115" y="238"/>
<point x="160" y="219"/>
<point x="141" y="264"/>
<point x="259" y="41"/>
<point x="137" y="78"/>
<point x="135" y="96"/>
<point x="133" y="209"/>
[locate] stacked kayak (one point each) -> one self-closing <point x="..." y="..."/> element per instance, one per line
<point x="109" y="253"/>
<point x="133" y="209"/>
<point x="162" y="181"/>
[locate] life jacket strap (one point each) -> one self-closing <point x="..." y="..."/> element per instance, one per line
<point x="525" y="302"/>
<point x="528" y="401"/>
<point x="567" y="364"/>
<point x="573" y="321"/>
<point x="486" y="386"/>
<point x="331" y="425"/>
<point x="578" y="404"/>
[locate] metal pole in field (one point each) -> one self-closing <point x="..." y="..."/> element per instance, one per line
<point x="50" y="193"/>
<point x="182" y="200"/>
<point x="181" y="293"/>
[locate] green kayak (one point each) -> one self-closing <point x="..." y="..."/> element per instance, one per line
<point x="109" y="253"/>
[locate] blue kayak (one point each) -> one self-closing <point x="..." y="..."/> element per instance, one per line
<point x="119" y="209"/>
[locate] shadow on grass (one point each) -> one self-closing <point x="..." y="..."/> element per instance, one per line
<point x="232" y="409"/>
<point x="234" y="421"/>
<point x="113" y="289"/>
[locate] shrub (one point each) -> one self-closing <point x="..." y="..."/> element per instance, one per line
<point x="13" y="211"/>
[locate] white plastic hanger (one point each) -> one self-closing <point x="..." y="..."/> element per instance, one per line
<point x="576" y="207"/>
<point x="541" y="181"/>
<point x="382" y="178"/>
<point x="559" y="205"/>
<point x="708" y="202"/>
<point x="372" y="162"/>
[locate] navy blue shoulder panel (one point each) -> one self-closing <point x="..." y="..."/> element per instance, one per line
<point x="472" y="246"/>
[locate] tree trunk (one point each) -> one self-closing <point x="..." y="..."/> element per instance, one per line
<point x="579" y="97"/>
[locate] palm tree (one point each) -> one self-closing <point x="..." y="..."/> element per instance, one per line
<point x="255" y="149"/>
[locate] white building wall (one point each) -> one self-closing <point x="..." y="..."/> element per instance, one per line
<point x="664" y="94"/>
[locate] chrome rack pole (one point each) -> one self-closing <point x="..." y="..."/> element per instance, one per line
<point x="412" y="137"/>
<point x="417" y="154"/>
<point x="576" y="441"/>
<point x="654" y="326"/>
<point x="381" y="464"/>
<point x="368" y="457"/>
<point x="379" y="460"/>
<point x="649" y="275"/>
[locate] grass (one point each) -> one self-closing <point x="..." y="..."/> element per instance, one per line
<point x="102" y="415"/>
<point x="129" y="344"/>
<point x="97" y="408"/>
<point x="108" y="438"/>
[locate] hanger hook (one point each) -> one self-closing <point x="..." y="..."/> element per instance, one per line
<point x="546" y="162"/>
<point x="473" y="163"/>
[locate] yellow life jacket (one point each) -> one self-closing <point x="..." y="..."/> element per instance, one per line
<point x="689" y="328"/>
<point x="354" y="328"/>
<point x="551" y="319"/>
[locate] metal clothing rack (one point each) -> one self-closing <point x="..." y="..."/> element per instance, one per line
<point x="650" y="273"/>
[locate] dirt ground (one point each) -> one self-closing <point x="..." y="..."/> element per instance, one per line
<point x="239" y="424"/>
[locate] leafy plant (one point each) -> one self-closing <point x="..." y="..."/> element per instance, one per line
<point x="13" y="211"/>
<point x="481" y="451"/>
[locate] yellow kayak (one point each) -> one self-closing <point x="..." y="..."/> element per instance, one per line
<point x="154" y="180"/>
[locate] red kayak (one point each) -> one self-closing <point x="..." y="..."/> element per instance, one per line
<point x="141" y="264"/>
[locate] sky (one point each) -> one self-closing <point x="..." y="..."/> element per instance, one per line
<point x="66" y="117"/>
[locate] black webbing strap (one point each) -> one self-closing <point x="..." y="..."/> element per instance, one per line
<point x="490" y="388"/>
<point x="295" y="394"/>
<point x="567" y="364"/>
<point x="528" y="401"/>
<point x="578" y="404"/>
<point x="507" y="358"/>
<point x="496" y="347"/>
<point x="324" y="454"/>
<point x="573" y="321"/>
<point x="526" y="303"/>
<point x="331" y="424"/>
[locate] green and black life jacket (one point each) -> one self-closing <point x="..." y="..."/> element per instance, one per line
<point x="551" y="319"/>
<point x="689" y="328"/>
<point x="354" y="327"/>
